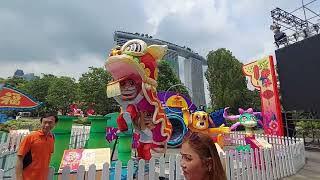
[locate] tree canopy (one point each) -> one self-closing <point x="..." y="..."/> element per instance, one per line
<point x="92" y="91"/>
<point x="168" y="78"/>
<point x="227" y="84"/>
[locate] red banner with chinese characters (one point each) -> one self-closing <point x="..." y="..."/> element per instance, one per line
<point x="263" y="78"/>
<point x="13" y="99"/>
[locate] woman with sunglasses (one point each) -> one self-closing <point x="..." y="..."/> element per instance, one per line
<point x="200" y="159"/>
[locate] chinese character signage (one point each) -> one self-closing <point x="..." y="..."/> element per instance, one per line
<point x="76" y="157"/>
<point x="13" y="99"/>
<point x="263" y="78"/>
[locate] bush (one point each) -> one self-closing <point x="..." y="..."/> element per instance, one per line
<point x="31" y="124"/>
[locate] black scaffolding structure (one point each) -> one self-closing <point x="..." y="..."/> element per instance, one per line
<point x="288" y="28"/>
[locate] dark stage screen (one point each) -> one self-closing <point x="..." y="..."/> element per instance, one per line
<point x="299" y="75"/>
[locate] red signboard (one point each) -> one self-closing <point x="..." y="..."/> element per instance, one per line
<point x="13" y="99"/>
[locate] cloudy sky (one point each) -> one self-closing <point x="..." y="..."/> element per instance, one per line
<point x="66" y="37"/>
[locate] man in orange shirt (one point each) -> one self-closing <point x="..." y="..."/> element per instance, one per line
<point x="35" y="151"/>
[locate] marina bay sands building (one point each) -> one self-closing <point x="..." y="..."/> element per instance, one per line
<point x="193" y="62"/>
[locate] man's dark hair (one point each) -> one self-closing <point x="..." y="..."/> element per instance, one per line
<point x="48" y="114"/>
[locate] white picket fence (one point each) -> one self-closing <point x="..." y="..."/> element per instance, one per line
<point x="285" y="158"/>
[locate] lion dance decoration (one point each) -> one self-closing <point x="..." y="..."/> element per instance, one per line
<point x="134" y="70"/>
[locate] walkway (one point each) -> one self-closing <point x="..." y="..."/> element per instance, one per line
<point x="312" y="168"/>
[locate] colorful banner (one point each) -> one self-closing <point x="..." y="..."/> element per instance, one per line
<point x="13" y="99"/>
<point x="263" y="78"/>
<point x="77" y="157"/>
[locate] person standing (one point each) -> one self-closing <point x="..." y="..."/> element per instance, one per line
<point x="35" y="151"/>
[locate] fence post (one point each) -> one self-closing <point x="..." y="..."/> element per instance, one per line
<point x="253" y="167"/>
<point x="117" y="175"/>
<point x="243" y="165"/>
<point x="290" y="160"/>
<point x="50" y="174"/>
<point x="172" y="169"/>
<point x="237" y="164"/>
<point x="273" y="163"/>
<point x="281" y="158"/>
<point x="92" y="172"/>
<point x="178" y="172"/>
<point x="268" y="164"/>
<point x="152" y="168"/>
<point x="229" y="164"/>
<point x="1" y="173"/>
<point x="141" y="169"/>
<point x="248" y="172"/>
<point x="65" y="173"/>
<point x="130" y="170"/>
<point x="81" y="172"/>
<point x="105" y="172"/>
<point x="162" y="166"/>
<point x="228" y="167"/>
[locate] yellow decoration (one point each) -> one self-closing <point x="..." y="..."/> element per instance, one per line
<point x="248" y="70"/>
<point x="148" y="73"/>
<point x="156" y="74"/>
<point x="177" y="101"/>
<point x="11" y="99"/>
<point x="199" y="122"/>
<point x="113" y="89"/>
<point x="157" y="51"/>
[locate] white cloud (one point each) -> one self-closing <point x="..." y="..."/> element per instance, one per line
<point x="60" y="67"/>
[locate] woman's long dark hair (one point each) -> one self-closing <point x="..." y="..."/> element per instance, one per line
<point x="204" y="146"/>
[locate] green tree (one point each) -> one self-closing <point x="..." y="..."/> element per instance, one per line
<point x="2" y="80"/>
<point x="252" y="99"/>
<point x="17" y="82"/>
<point x="227" y="84"/>
<point x="38" y="88"/>
<point x="61" y="93"/>
<point x="167" y="78"/>
<point x="92" y="91"/>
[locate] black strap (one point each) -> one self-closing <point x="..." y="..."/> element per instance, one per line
<point x="27" y="160"/>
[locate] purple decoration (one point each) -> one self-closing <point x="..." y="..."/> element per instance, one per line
<point x="135" y="142"/>
<point x="111" y="134"/>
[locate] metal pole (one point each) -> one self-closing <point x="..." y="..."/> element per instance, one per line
<point x="304" y="12"/>
<point x="285" y="116"/>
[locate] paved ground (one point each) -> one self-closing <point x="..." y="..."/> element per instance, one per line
<point x="312" y="168"/>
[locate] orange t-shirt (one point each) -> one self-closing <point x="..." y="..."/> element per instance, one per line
<point x="41" y="148"/>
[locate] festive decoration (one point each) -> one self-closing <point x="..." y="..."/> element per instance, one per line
<point x="13" y="99"/>
<point x="263" y="78"/>
<point x="174" y="103"/>
<point x="199" y="122"/>
<point x="246" y="118"/>
<point x="111" y="134"/>
<point x="134" y="70"/>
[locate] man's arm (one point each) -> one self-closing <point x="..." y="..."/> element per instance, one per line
<point x="19" y="168"/>
<point x="24" y="147"/>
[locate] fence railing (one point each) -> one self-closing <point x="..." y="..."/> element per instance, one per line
<point x="284" y="159"/>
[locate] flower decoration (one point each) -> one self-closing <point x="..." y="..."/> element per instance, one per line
<point x="111" y="133"/>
